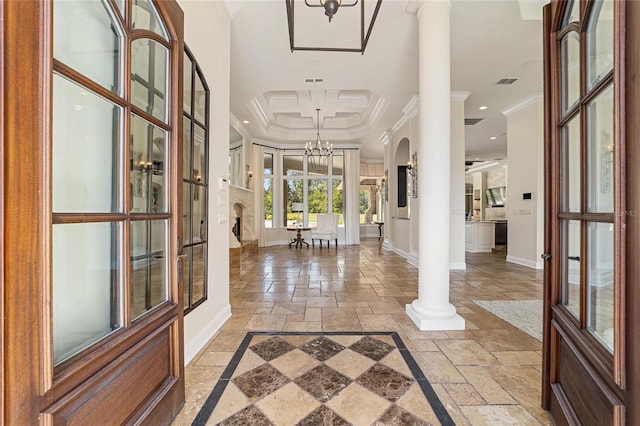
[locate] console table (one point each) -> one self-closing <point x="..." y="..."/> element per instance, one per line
<point x="298" y="240"/>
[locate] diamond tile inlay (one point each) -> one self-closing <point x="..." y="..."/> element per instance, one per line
<point x="373" y="348"/>
<point x="322" y="379"/>
<point x="323" y="416"/>
<point x="272" y="348"/>
<point x="322" y="348"/>
<point x="398" y="416"/>
<point x="249" y="416"/>
<point x="385" y="381"/>
<point x="323" y="382"/>
<point x="260" y="381"/>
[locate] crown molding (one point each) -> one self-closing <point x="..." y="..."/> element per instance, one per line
<point x="529" y="100"/>
<point x="460" y="96"/>
<point x="409" y="111"/>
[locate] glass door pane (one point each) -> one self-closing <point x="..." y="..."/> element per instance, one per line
<point x="86" y="141"/>
<point x="87" y="39"/>
<point x="570" y="51"/>
<point x="600" y="292"/>
<point x="600" y="152"/>
<point x="86" y="285"/>
<point x="571" y="169"/>
<point x="571" y="270"/>
<point x="600" y="42"/>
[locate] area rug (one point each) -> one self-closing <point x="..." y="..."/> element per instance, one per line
<point x="323" y="378"/>
<point x="523" y="314"/>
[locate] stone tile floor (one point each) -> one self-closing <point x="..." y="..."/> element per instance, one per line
<point x="488" y="374"/>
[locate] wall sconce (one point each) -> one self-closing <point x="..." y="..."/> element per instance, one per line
<point x="412" y="170"/>
<point x="145" y="166"/>
<point x="249" y="176"/>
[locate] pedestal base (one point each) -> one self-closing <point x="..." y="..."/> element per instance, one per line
<point x="425" y="322"/>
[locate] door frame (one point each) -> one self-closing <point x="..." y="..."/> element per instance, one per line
<point x="31" y="393"/>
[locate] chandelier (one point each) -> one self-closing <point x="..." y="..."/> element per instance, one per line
<point x="315" y="153"/>
<point x="330" y="9"/>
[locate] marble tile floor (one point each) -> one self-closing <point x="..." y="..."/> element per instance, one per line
<point x="488" y="374"/>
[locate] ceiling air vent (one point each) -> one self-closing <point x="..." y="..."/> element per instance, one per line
<point x="314" y="80"/>
<point x="472" y="121"/>
<point x="506" y="81"/>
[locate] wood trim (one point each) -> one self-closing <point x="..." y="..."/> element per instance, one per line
<point x="2" y="282"/>
<point x="546" y="321"/>
<point x="630" y="32"/>
<point x="26" y="84"/>
<point x="620" y="200"/>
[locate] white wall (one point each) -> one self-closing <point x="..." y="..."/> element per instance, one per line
<point x="457" y="190"/>
<point x="207" y="33"/>
<point x="525" y="139"/>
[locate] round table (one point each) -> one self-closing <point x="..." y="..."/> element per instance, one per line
<point x="298" y="240"/>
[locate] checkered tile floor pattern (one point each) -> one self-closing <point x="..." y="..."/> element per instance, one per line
<point x="323" y="379"/>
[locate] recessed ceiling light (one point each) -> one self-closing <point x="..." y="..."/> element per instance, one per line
<point x="477" y="158"/>
<point x="483" y="107"/>
<point x="493" y="138"/>
<point x="245" y="121"/>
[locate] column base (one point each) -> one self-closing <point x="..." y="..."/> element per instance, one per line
<point x="425" y="322"/>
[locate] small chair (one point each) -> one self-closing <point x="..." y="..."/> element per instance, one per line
<point x="327" y="229"/>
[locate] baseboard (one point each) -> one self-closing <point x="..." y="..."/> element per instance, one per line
<point x="458" y="266"/>
<point x="400" y="253"/>
<point x="386" y="245"/>
<point x="206" y="332"/>
<point x="526" y="262"/>
<point x="413" y="259"/>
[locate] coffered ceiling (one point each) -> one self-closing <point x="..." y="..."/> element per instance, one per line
<point x="360" y="96"/>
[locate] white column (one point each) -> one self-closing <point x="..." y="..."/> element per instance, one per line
<point x="432" y="310"/>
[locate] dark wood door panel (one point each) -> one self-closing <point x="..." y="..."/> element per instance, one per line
<point x="129" y="385"/>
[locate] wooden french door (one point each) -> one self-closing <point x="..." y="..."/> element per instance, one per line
<point x="590" y="367"/>
<point x="92" y="330"/>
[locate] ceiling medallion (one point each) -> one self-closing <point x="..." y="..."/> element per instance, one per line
<point x="330" y="9"/>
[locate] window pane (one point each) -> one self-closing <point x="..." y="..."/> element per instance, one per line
<point x="85" y="39"/>
<point x="268" y="164"/>
<point x="146" y="17"/>
<point x="600" y="152"/>
<point x="86" y="137"/>
<point x="186" y="213"/>
<point x="570" y="51"/>
<point x="292" y="165"/>
<point x="268" y="203"/>
<point x="199" y="154"/>
<point x="199" y="213"/>
<point x="572" y="12"/>
<point x="186" y="149"/>
<point x="336" y="198"/>
<point x="149" y="77"/>
<point x="186" y="273"/>
<point x="364" y="203"/>
<point x="600" y="42"/>
<point x="317" y="165"/>
<point x="200" y="100"/>
<point x="571" y="266"/>
<point x="199" y="272"/>
<point x="149" y="282"/>
<point x="600" y="282"/>
<point x="571" y="166"/>
<point x="338" y="165"/>
<point x="86" y="285"/>
<point x="293" y="193"/>
<point x="148" y="157"/>
<point x="318" y="201"/>
<point x="186" y="94"/>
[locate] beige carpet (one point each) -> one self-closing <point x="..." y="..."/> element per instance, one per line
<point x="523" y="314"/>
